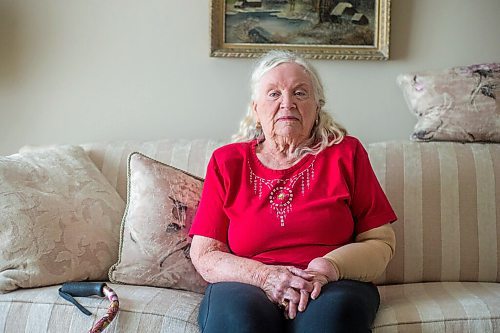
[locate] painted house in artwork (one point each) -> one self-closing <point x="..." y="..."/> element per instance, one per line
<point x="260" y="35"/>
<point x="248" y="4"/>
<point x="360" y="19"/>
<point x="343" y="10"/>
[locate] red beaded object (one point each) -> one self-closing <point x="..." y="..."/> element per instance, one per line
<point x="111" y="313"/>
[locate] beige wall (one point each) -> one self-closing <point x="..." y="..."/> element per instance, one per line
<point x="91" y="70"/>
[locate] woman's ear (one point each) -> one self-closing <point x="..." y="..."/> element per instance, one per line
<point x="254" y="112"/>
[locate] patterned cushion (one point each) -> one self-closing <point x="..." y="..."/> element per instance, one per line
<point x="154" y="247"/>
<point x="446" y="196"/>
<point x="59" y="219"/>
<point x="457" y="104"/>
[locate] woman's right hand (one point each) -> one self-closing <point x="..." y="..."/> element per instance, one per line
<point x="283" y="285"/>
<point x="287" y="286"/>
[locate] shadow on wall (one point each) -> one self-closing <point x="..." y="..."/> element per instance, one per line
<point x="10" y="44"/>
<point x="401" y="27"/>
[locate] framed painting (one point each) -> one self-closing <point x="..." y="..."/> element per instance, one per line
<point x="319" y="29"/>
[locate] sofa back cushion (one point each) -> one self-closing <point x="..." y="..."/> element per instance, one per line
<point x="447" y="198"/>
<point x="445" y="194"/>
<point x="188" y="155"/>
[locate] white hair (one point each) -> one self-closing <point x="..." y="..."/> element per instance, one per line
<point x="325" y="132"/>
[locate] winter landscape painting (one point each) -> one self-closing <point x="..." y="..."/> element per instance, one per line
<point x="323" y="29"/>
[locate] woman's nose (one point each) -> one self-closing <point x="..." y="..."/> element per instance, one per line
<point x="287" y="101"/>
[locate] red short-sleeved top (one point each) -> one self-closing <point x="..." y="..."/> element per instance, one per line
<point x="291" y="216"/>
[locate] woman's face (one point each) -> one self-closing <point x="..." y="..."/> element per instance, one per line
<point x="285" y="104"/>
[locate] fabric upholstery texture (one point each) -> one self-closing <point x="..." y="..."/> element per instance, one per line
<point x="439" y="307"/>
<point x="189" y="155"/>
<point x="420" y="307"/>
<point x="456" y="104"/>
<point x="59" y="219"/>
<point x="446" y="196"/>
<point x="142" y="309"/>
<point x="154" y="242"/>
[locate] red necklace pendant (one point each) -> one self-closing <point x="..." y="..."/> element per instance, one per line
<point x="281" y="190"/>
<point x="281" y="201"/>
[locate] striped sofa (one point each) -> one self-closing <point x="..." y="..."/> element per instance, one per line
<point x="443" y="278"/>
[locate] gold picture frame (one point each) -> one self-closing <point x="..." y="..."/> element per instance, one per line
<point x="317" y="29"/>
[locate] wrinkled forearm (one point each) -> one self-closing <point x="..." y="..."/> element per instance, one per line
<point x="215" y="263"/>
<point x="367" y="257"/>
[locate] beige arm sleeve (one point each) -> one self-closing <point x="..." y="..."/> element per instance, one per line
<point x="367" y="257"/>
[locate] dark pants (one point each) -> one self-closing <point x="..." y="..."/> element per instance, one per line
<point x="343" y="306"/>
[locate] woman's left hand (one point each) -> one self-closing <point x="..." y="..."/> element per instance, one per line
<point x="323" y="272"/>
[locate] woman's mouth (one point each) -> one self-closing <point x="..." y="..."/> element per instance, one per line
<point x="287" y="118"/>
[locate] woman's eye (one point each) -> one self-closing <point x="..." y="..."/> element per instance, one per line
<point x="274" y="94"/>
<point x="301" y="93"/>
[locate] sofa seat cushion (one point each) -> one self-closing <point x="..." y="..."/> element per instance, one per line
<point x="439" y="307"/>
<point x="417" y="307"/>
<point x="142" y="309"/>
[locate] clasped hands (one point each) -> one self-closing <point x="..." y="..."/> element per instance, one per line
<point x="291" y="287"/>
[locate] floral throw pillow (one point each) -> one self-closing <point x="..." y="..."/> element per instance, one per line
<point x="154" y="245"/>
<point x="457" y="104"/>
<point x="59" y="219"/>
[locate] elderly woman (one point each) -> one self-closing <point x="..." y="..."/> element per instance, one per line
<point x="293" y="225"/>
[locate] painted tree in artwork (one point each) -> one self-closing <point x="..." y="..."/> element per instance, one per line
<point x="324" y="8"/>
